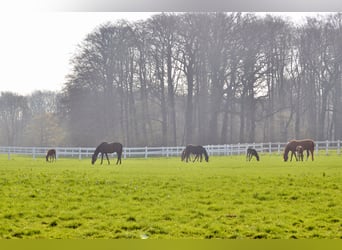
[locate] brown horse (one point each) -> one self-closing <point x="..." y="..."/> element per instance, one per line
<point x="198" y="151"/>
<point x="299" y="153"/>
<point x="51" y="155"/>
<point x="307" y="144"/>
<point x="250" y="153"/>
<point x="104" y="148"/>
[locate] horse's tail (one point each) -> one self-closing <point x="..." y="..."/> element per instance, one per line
<point x="286" y="152"/>
<point x="120" y="150"/>
<point x="121" y="147"/>
<point x="206" y="156"/>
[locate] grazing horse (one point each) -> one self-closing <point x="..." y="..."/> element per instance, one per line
<point x="51" y="155"/>
<point x="250" y="153"/>
<point x="307" y="144"/>
<point x="299" y="153"/>
<point x="104" y="148"/>
<point x="198" y="151"/>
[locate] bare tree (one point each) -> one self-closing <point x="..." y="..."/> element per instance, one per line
<point x="13" y="115"/>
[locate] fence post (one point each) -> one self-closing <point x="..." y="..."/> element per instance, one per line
<point x="146" y="152"/>
<point x="317" y="150"/>
<point x="327" y="148"/>
<point x="9" y="153"/>
<point x="79" y="154"/>
<point x="338" y="147"/>
<point x="270" y="148"/>
<point x="34" y="153"/>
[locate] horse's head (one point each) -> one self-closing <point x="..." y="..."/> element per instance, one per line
<point x="93" y="159"/>
<point x="183" y="155"/>
<point x="286" y="157"/>
<point x="206" y="158"/>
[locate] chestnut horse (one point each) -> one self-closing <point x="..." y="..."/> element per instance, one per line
<point x="105" y="148"/>
<point x="307" y="144"/>
<point x="51" y="155"/>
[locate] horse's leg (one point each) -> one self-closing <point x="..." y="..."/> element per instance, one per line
<point x="101" y="158"/>
<point x="107" y="158"/>
<point x="188" y="157"/>
<point x="293" y="153"/>
<point x="195" y="158"/>
<point x="119" y="158"/>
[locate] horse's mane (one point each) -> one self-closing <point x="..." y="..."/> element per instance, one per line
<point x="287" y="149"/>
<point x="97" y="150"/>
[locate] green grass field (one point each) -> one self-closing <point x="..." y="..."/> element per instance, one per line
<point x="164" y="198"/>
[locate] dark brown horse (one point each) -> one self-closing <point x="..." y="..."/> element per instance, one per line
<point x="51" y="155"/>
<point x="250" y="153"/>
<point x="198" y="151"/>
<point x="307" y="144"/>
<point x="104" y="148"/>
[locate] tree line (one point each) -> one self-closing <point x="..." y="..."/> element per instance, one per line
<point x="200" y="78"/>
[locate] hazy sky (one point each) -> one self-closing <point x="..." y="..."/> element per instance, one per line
<point x="36" y="46"/>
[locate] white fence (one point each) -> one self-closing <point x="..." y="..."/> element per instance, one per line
<point x="146" y="152"/>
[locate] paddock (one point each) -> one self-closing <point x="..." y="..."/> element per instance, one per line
<point x="164" y="198"/>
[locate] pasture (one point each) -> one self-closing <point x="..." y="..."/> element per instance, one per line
<point x="164" y="198"/>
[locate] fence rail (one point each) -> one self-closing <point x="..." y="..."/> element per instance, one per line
<point x="146" y="152"/>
